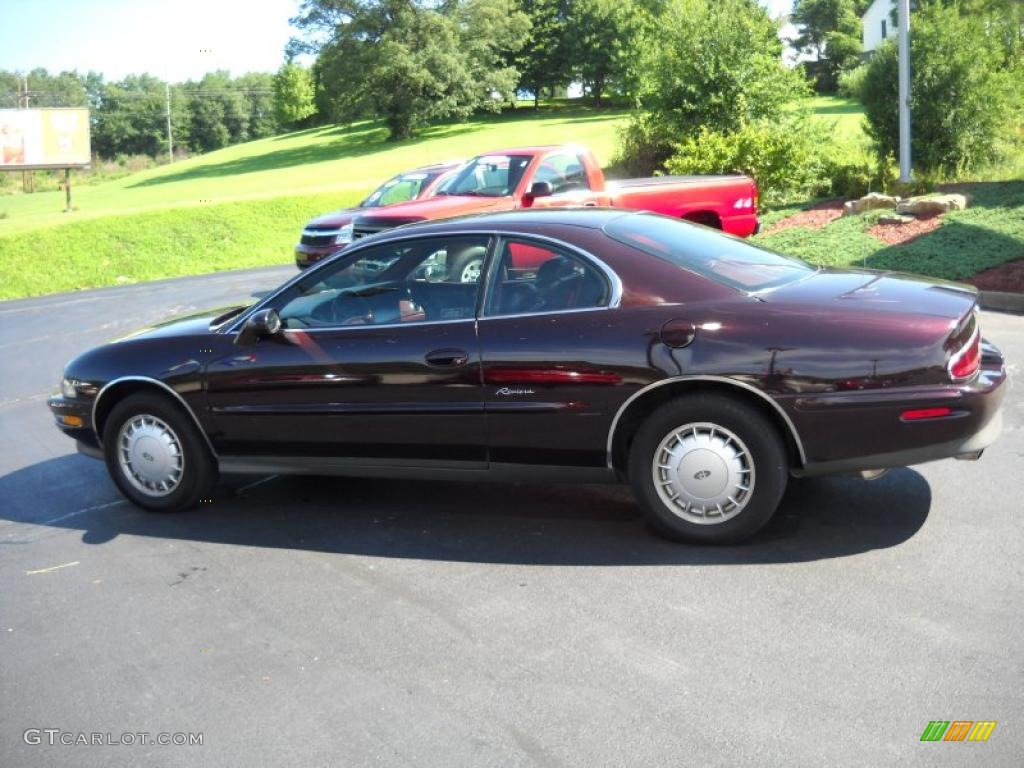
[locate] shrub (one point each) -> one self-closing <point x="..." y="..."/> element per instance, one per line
<point x="855" y="178"/>
<point x="851" y="82"/>
<point x="781" y="155"/>
<point x="961" y="96"/>
<point x="711" y="66"/>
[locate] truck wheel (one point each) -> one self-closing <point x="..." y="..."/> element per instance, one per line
<point x="708" y="469"/>
<point x="156" y="455"/>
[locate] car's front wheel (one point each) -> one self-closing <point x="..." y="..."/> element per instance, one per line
<point x="156" y="455"/>
<point x="708" y="469"/>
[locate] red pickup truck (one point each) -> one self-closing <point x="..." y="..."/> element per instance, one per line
<point x="568" y="175"/>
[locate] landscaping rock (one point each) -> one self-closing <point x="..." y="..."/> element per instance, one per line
<point x="930" y="206"/>
<point x="869" y="202"/>
<point x="895" y="218"/>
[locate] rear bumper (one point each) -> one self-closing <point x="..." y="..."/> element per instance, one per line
<point x="744" y="225"/>
<point x="969" y="447"/>
<point x="856" y="431"/>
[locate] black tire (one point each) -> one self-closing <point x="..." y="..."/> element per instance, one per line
<point x="470" y="256"/>
<point x="764" y="448"/>
<point x="199" y="468"/>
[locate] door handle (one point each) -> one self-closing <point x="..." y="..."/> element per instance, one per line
<point x="590" y="204"/>
<point x="447" y="358"/>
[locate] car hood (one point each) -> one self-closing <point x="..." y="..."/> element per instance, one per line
<point x="839" y="290"/>
<point x="196" y="324"/>
<point x="442" y="207"/>
<point x="335" y="219"/>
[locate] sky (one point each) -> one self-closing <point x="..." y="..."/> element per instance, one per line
<point x="172" y="39"/>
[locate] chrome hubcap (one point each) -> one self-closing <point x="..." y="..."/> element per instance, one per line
<point x="703" y="473"/>
<point x="150" y="455"/>
<point x="471" y="272"/>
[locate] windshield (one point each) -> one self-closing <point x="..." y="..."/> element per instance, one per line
<point x="400" y="189"/>
<point x="727" y="260"/>
<point x="488" y="176"/>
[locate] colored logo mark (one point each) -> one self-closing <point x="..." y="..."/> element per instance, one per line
<point x="958" y="730"/>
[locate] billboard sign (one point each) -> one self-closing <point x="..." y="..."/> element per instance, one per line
<point x="43" y="138"/>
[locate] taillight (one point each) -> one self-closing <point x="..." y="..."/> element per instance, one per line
<point x="920" y="414"/>
<point x="967" y="361"/>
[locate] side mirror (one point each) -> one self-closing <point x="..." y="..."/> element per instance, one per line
<point x="259" y="325"/>
<point x="540" y="189"/>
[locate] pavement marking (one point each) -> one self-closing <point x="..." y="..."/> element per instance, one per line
<point x="261" y="481"/>
<point x="25" y="399"/>
<point x="51" y="568"/>
<point x="79" y="512"/>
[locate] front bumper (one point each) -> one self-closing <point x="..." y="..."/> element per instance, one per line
<point x="856" y="431"/>
<point x="73" y="417"/>
<point x="307" y="255"/>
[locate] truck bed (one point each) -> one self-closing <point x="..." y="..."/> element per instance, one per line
<point x="660" y="180"/>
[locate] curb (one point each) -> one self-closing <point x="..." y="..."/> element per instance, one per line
<point x="1001" y="301"/>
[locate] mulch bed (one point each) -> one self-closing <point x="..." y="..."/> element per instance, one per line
<point x="815" y="217"/>
<point x="1006" y="277"/>
<point x="897" y="234"/>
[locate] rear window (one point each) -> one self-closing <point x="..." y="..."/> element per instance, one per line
<point x="727" y="260"/>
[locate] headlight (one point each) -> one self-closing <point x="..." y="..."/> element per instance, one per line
<point x="68" y="387"/>
<point x="344" y="235"/>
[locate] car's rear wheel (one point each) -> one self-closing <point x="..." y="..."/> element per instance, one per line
<point x="708" y="468"/>
<point x="156" y="455"/>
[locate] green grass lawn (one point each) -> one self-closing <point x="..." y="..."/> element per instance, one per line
<point x="347" y="160"/>
<point x="845" y="118"/>
<point x="989" y="233"/>
<point x="244" y="205"/>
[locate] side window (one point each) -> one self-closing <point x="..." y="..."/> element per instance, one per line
<point x="410" y="281"/>
<point x="400" y="192"/>
<point x="564" y="171"/>
<point x="530" y="277"/>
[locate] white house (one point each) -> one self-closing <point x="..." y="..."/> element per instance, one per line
<point x="877" y="21"/>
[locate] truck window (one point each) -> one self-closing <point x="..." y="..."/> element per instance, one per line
<point x="564" y="171"/>
<point x="489" y="176"/>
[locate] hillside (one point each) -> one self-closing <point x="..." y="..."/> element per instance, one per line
<point x="242" y="206"/>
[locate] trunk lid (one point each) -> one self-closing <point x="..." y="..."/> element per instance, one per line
<point x="860" y="290"/>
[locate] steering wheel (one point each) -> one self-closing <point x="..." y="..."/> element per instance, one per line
<point x="329" y="312"/>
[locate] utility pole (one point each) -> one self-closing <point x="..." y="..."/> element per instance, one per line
<point x="170" y="143"/>
<point x="28" y="178"/>
<point x="904" y="79"/>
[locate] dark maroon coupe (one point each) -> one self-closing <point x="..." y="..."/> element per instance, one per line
<point x="701" y="368"/>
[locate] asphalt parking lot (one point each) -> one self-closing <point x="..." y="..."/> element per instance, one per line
<point x="367" y="622"/>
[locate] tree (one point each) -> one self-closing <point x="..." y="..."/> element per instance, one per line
<point x="63" y="90"/>
<point x="711" y="64"/>
<point x="961" y="92"/>
<point x="603" y="42"/>
<point x="131" y="118"/>
<point x="293" y="94"/>
<point x="831" y="30"/>
<point x="544" y="61"/>
<point x="258" y="90"/>
<point x="410" y="62"/>
<point x="219" y="112"/>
